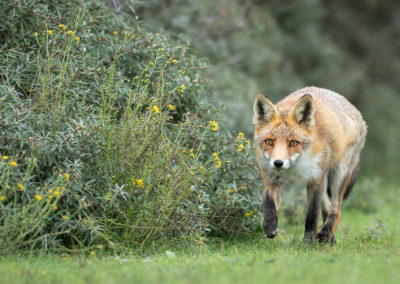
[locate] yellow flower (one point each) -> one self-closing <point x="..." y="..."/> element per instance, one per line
<point x="183" y="151"/>
<point x="35" y="33"/>
<point x="192" y="155"/>
<point x="174" y="61"/>
<point x="50" y="196"/>
<point x="57" y="193"/>
<point x="214" y="125"/>
<point x="67" y="177"/>
<point x="63" y="27"/>
<point x="248" y="214"/>
<point x="191" y="150"/>
<point x="38" y="197"/>
<point x="200" y="243"/>
<point x="4" y="157"/>
<point x="201" y="168"/>
<point x="13" y="163"/>
<point x="50" y="191"/>
<point x="2" y="197"/>
<point x="231" y="191"/>
<point x="70" y="32"/>
<point x="156" y="109"/>
<point x="171" y="107"/>
<point x="218" y="163"/>
<point x="91" y="252"/>
<point x="161" y="49"/>
<point x="115" y="32"/>
<point x="240" y="148"/>
<point x="20" y="186"/>
<point x="65" y="217"/>
<point x="78" y="39"/>
<point x="247" y="142"/>
<point x="140" y="183"/>
<point x="182" y="88"/>
<point x="240" y="135"/>
<point x="54" y="207"/>
<point x="64" y="258"/>
<point x="50" y="32"/>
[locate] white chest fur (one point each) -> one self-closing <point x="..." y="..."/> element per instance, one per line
<point x="305" y="169"/>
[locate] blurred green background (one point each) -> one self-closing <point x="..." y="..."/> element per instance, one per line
<point x="351" y="47"/>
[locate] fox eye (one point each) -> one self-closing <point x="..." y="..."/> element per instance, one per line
<point x="293" y="143"/>
<point x="269" y="142"/>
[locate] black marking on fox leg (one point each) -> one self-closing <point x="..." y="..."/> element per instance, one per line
<point x="328" y="187"/>
<point x="324" y="214"/>
<point x="352" y="181"/>
<point x="325" y="235"/>
<point x="329" y="190"/>
<point x="270" y="224"/>
<point x="312" y="217"/>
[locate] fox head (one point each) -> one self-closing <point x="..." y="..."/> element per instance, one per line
<point x="283" y="135"/>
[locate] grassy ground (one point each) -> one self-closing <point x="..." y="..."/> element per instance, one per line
<point x="366" y="253"/>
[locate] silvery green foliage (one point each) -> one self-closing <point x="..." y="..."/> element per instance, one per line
<point x="109" y="127"/>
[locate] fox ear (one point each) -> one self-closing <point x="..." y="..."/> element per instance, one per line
<point x="264" y="110"/>
<point x="303" y="111"/>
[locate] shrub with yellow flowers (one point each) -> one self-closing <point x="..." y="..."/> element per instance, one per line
<point x="109" y="137"/>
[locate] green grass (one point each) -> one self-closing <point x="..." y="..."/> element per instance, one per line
<point x="365" y="253"/>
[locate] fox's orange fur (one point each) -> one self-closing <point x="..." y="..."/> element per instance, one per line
<point x="313" y="137"/>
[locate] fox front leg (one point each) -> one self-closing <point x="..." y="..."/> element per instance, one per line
<point x="270" y="223"/>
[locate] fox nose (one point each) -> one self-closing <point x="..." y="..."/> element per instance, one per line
<point x="278" y="163"/>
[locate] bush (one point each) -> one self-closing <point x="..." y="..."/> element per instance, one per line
<point x="109" y="137"/>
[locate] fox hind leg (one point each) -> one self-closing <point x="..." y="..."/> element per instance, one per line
<point x="325" y="202"/>
<point x="340" y="178"/>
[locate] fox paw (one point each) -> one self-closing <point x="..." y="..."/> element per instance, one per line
<point x="271" y="228"/>
<point x="326" y="237"/>
<point x="271" y="234"/>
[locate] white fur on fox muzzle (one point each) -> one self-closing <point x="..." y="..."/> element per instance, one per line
<point x="286" y="164"/>
<point x="294" y="158"/>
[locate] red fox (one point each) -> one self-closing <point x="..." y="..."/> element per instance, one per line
<point x="311" y="138"/>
